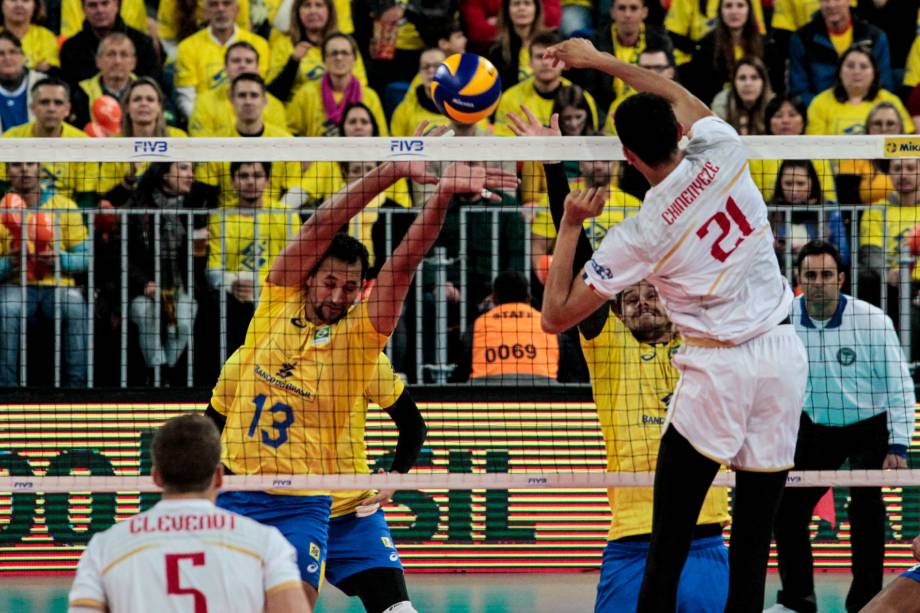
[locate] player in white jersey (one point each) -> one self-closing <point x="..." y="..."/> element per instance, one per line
<point x="703" y="240"/>
<point x="185" y="555"/>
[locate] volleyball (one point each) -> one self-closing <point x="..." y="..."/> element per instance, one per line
<point x="466" y="88"/>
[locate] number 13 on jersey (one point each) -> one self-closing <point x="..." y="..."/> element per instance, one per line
<point x="277" y="435"/>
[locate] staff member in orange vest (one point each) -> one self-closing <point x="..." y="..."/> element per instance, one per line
<point x="508" y="341"/>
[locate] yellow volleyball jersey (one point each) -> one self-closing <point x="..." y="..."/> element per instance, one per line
<point x="525" y="93"/>
<point x="63" y="178"/>
<point x="384" y="389"/>
<point x="234" y="246"/>
<point x="311" y="66"/>
<point x="200" y="58"/>
<point x="284" y="174"/>
<point x="40" y="45"/>
<point x="827" y="115"/>
<point x="296" y="395"/>
<point x="896" y="225"/>
<point x="618" y="206"/>
<point x="112" y="173"/>
<point x="632" y="383"/>
<point x="168" y="17"/>
<point x="133" y="12"/>
<point x="307" y="117"/>
<point x="213" y="112"/>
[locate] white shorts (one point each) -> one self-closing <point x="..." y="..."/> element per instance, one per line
<point x="741" y="405"/>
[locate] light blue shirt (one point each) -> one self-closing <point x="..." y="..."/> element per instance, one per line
<point x="856" y="368"/>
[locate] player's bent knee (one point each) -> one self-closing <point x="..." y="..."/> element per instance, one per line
<point x="401" y="607"/>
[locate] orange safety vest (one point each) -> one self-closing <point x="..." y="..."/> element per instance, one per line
<point x="508" y="340"/>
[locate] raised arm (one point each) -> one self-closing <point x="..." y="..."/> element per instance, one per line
<point x="580" y="53"/>
<point x="393" y="280"/>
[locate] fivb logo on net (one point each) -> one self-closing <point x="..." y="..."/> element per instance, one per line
<point x="151" y="148"/>
<point x="407" y="146"/>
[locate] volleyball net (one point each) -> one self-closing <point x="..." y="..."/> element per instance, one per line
<point x="133" y="264"/>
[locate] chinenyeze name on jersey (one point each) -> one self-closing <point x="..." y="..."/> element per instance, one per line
<point x="683" y="201"/>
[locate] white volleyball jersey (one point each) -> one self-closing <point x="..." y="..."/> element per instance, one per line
<point x="703" y="240"/>
<point x="184" y="556"/>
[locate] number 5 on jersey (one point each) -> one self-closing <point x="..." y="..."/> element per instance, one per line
<point x="722" y="220"/>
<point x="278" y="434"/>
<point x="173" y="586"/>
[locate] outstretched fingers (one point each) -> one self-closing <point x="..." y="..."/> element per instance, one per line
<point x="496" y="178"/>
<point x="422" y="127"/>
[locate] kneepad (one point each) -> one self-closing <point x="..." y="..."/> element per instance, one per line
<point x="401" y="607"/>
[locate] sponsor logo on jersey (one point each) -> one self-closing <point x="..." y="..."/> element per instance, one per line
<point x="322" y="336"/>
<point x="653" y="420"/>
<point x="846" y="356"/>
<point x="394" y="557"/>
<point x="285" y="371"/>
<point x="275" y="381"/>
<point x="600" y="270"/>
<point x="298" y="322"/>
<point x="312" y="567"/>
<point x="314" y="551"/>
<point x="386" y="542"/>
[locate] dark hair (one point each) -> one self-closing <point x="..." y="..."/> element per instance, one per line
<point x="235" y="167"/>
<point x="667" y="49"/>
<point x="647" y="126"/>
<point x="127" y="124"/>
<point x="240" y="44"/>
<point x="724" y="48"/>
<point x="546" y="39"/>
<point x="508" y="39"/>
<point x="349" y="250"/>
<point x="50" y="82"/>
<point x="573" y="95"/>
<point x="777" y="102"/>
<point x="750" y="118"/>
<point x="38" y="13"/>
<point x="510" y="286"/>
<point x="375" y="129"/>
<point x="814" y="194"/>
<point x="247" y="76"/>
<point x="447" y="28"/>
<point x="186" y="452"/>
<point x="7" y="35"/>
<point x="839" y="92"/>
<point x="299" y="32"/>
<point x="818" y="247"/>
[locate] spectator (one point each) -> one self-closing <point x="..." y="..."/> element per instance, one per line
<point x="882" y="235"/>
<point x="785" y="116"/>
<point x="898" y="19"/>
<point x="480" y="20"/>
<point x="298" y="58"/>
<point x="518" y="23"/>
<point x="872" y="175"/>
<point x="200" y="58"/>
<point x="141" y="116"/>
<point x="844" y="107"/>
<point x="657" y="59"/>
<point x="688" y="21"/>
<point x="179" y="19"/>
<point x="247" y="94"/>
<point x="626" y="35"/>
<point x="161" y="305"/>
<point x="243" y="244"/>
<point x="577" y="17"/>
<point x="815" y="50"/>
<point x="116" y="61"/>
<point x="78" y="53"/>
<point x="716" y="56"/>
<point x="133" y="12"/>
<point x="798" y="193"/>
<point x="743" y="104"/>
<point x="418" y="105"/>
<point x="213" y="109"/>
<point x="16" y="83"/>
<point x="537" y="92"/>
<point x="318" y="106"/>
<point x="21" y="18"/>
<point x="450" y="38"/>
<point x="57" y="249"/>
<point x="508" y="345"/>
<point x="50" y="105"/>
<point x="912" y="75"/>
<point x="859" y="407"/>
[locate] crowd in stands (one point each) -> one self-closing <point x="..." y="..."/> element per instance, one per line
<point x="347" y="68"/>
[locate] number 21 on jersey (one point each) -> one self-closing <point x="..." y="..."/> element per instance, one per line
<point x="724" y="222"/>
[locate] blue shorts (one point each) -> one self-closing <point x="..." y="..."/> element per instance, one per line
<point x="913" y="573"/>
<point x="703" y="583"/>
<point x="359" y="543"/>
<point x="303" y="520"/>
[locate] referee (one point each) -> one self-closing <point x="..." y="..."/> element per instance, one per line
<point x="859" y="406"/>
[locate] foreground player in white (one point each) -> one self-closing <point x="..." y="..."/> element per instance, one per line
<point x="703" y="240"/>
<point x="185" y="555"/>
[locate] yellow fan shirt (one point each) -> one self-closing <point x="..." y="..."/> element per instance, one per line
<point x="63" y="178"/>
<point x="200" y="58"/>
<point x="296" y="395"/>
<point x="311" y="65"/>
<point x="234" y="246"/>
<point x="618" y="206"/>
<point x="632" y="383"/>
<point x="213" y="111"/>
<point x="685" y="18"/>
<point x="40" y="45"/>
<point x="168" y="17"/>
<point x="306" y="115"/>
<point x="526" y="92"/>
<point x="826" y="115"/>
<point x="897" y="224"/>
